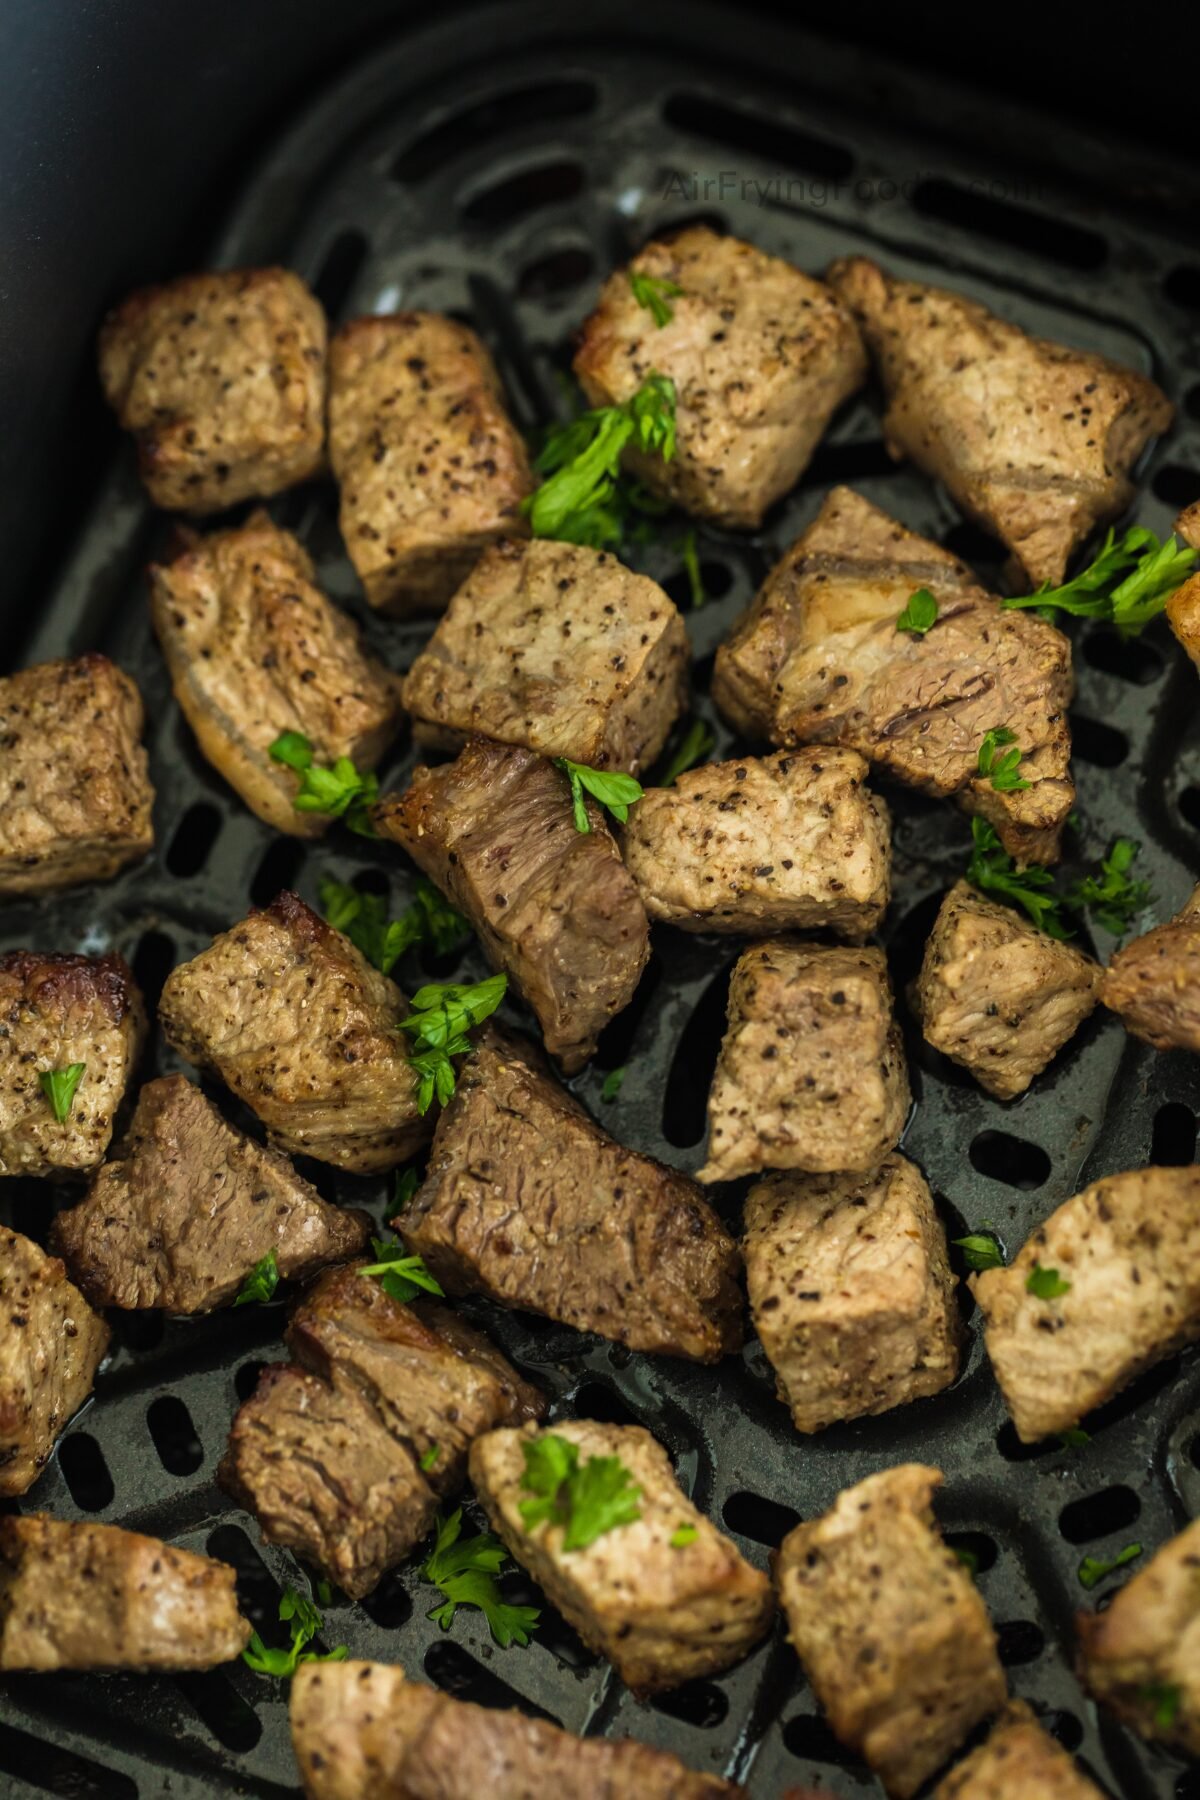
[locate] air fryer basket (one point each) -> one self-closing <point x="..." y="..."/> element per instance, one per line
<point x="500" y="180"/>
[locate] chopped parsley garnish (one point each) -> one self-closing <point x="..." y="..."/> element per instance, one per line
<point x="1074" y="1437"/>
<point x="919" y="615"/>
<point x="691" y="567"/>
<point x="1045" y="1284"/>
<point x="339" y="791"/>
<point x="693" y="748"/>
<point x="306" y="1623"/>
<point x="980" y="1251"/>
<point x="400" y="1275"/>
<point x="429" y="919"/>
<point x="968" y="1559"/>
<point x="612" y="1084"/>
<point x="407" y="1183"/>
<point x="261" y="1282"/>
<point x="440" y="1019"/>
<point x="586" y="1498"/>
<point x="1093" y="1569"/>
<point x="612" y="789"/>
<point x="59" y="1087"/>
<point x="1001" y="770"/>
<point x="1113" y="897"/>
<point x="584" y="499"/>
<point x="430" y="1459"/>
<point x="1128" y="582"/>
<point x="653" y="292"/>
<point x="993" y="870"/>
<point x="684" y="1535"/>
<point x="465" y="1569"/>
<point x="1166" y="1701"/>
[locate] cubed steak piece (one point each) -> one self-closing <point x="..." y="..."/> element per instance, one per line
<point x="558" y="648"/>
<point x="221" y="379"/>
<point x="255" y="650"/>
<point x="850" y="1291"/>
<point x="553" y="906"/>
<point x="793" y="842"/>
<point x="761" y="356"/>
<point x="1153" y="984"/>
<point x="82" y="1596"/>
<point x="890" y="1627"/>
<point x="51" y="1344"/>
<point x="1019" y="1761"/>
<point x="295" y="1020"/>
<point x="1107" y="1287"/>
<point x="431" y="468"/>
<point x="361" y="1731"/>
<point x="71" y="1032"/>
<point x="1034" y="440"/>
<point x="529" y="1202"/>
<point x="184" y="1209"/>
<point x="1141" y="1655"/>
<point x="75" y="797"/>
<point x="819" y="658"/>
<point x="997" y="995"/>
<point x="663" y="1612"/>
<point x="811" y="1073"/>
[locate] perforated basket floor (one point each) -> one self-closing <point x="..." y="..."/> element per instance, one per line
<point x="499" y="179"/>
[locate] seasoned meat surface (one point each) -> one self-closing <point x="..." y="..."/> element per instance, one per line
<point x="850" y="1291"/>
<point x="254" y="650"/>
<point x="221" y="379"/>
<point x="529" y="1202"/>
<point x="553" y="906"/>
<point x="996" y="994"/>
<point x="83" y="1596"/>
<point x="1183" y="607"/>
<point x="55" y="1012"/>
<point x="764" y="844"/>
<point x="558" y="648"/>
<point x="890" y="1627"/>
<point x="1019" y="1761"/>
<point x="811" y="1073"/>
<point x="1141" y="1655"/>
<point x="1034" y="440"/>
<point x="180" y="1215"/>
<point x="295" y="1020"/>
<point x="761" y="356"/>
<point x="75" y="797"/>
<point x="1153" y="984"/>
<point x="661" y="1613"/>
<point x="431" y="468"/>
<point x="51" y="1344"/>
<point x="1129" y="1248"/>
<point x="361" y="1731"/>
<point x="818" y="658"/>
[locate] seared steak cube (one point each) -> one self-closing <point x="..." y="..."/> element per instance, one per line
<point x="819" y="658"/>
<point x="296" y="1021"/>
<point x="1183" y="608"/>
<point x="254" y="650"/>
<point x="765" y="844"/>
<point x="761" y="357"/>
<point x="529" y="1202"/>
<point x="75" y="798"/>
<point x="890" y="1627"/>
<point x="57" y="1012"/>
<point x="1019" y="1761"/>
<point x="558" y="648"/>
<point x="186" y="1207"/>
<point x="1035" y="441"/>
<point x="1108" y="1286"/>
<point x="345" y="1734"/>
<point x="51" y="1344"/>
<point x="82" y="1596"/>
<point x="996" y="994"/>
<point x="1153" y="984"/>
<point x="553" y="906"/>
<point x="1138" y="1656"/>
<point x="431" y="468"/>
<point x="811" y="1073"/>
<point x="221" y="379"/>
<point x="850" y="1291"/>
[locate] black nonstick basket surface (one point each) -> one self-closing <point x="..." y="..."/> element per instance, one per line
<point x="483" y="170"/>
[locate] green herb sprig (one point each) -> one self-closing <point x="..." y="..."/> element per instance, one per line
<point x="441" y="1017"/>
<point x="1001" y="770"/>
<point x="341" y="791"/>
<point x="993" y="871"/>
<point x="400" y="1275"/>
<point x="1046" y="1284"/>
<point x="587" y="1499"/>
<point x="693" y="747"/>
<point x="613" y="790"/>
<point x="920" y="614"/>
<point x="1093" y="1569"/>
<point x="654" y="292"/>
<point x="261" y="1282"/>
<point x="429" y="919"/>
<point x="584" y="499"/>
<point x="1114" y="896"/>
<point x="306" y="1623"/>
<point x="465" y="1569"/>
<point x="980" y="1251"/>
<point x="1128" y="582"/>
<point x="59" y="1087"/>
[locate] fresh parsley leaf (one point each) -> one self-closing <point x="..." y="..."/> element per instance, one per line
<point x="400" y="1275"/>
<point x="1074" y="1437"/>
<point x="968" y="1559"/>
<point x="980" y="1251"/>
<point x="1128" y="582"/>
<point x="919" y="615"/>
<point x="324" y="1594"/>
<point x="466" y="1573"/>
<point x="684" y="1535"/>
<point x="993" y="870"/>
<point x="341" y="791"/>
<point x="691" y="567"/>
<point x="430" y="1459"/>
<point x="1113" y="896"/>
<point x="585" y="499"/>
<point x="261" y="1282"/>
<point x="441" y="1017"/>
<point x="306" y="1623"/>
<point x="407" y="1183"/>
<point x="429" y="919"/>
<point x="1045" y="1284"/>
<point x="612" y="789"/>
<point x="1166" y="1701"/>
<point x="1001" y="769"/>
<point x="59" y="1087"/>
<point x="586" y="1498"/>
<point x="1093" y="1569"/>
<point x="653" y="292"/>
<point x="693" y="748"/>
<point x="612" y="1084"/>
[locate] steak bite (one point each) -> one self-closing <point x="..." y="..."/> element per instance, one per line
<point x="1034" y="440"/>
<point x="558" y="648"/>
<point x="890" y="1627"/>
<point x="761" y="356"/>
<point x="344" y="1735"/>
<point x="1019" y="1761"/>
<point x="187" y="1206"/>
<point x="811" y="1073"/>
<point x="997" y="995"/>
<point x="83" y="1596"/>
<point x="818" y="658"/>
<point x="1116" y="1288"/>
<point x="765" y="844"/>
<point x="221" y="379"/>
<point x="529" y="1202"/>
<point x="51" y="1344"/>
<point x="57" y="1012"/>
<point x="1141" y="1655"/>
<point x="255" y="650"/>
<point x="75" y="796"/>
<point x="294" y="1019"/>
<point x="432" y="470"/>
<point x="1153" y="984"/>
<point x="554" y="907"/>
<point x="1183" y="607"/>
<point x="850" y="1291"/>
